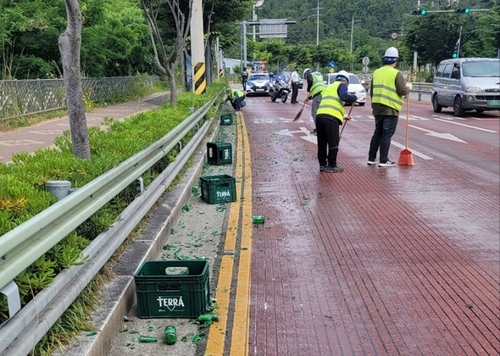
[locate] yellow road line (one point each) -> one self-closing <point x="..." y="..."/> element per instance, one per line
<point x="217" y="333"/>
<point x="241" y="322"/>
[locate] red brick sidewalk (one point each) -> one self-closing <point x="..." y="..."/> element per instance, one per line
<point x="28" y="139"/>
<point x="373" y="261"/>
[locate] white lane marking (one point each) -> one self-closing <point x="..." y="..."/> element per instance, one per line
<point x="416" y="153"/>
<point x="446" y="136"/>
<point x="464" y="125"/>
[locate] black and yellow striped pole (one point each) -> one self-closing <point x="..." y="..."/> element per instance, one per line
<point x="197" y="48"/>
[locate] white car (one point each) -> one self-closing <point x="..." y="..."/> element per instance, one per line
<point x="354" y="88"/>
<point x="258" y="83"/>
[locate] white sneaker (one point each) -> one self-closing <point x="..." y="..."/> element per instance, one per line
<point x="371" y="163"/>
<point x="387" y="164"/>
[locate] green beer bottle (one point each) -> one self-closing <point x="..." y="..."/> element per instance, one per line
<point x="170" y="335"/>
<point x="143" y="338"/>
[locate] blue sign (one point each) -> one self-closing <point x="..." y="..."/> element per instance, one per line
<point x="332" y="64"/>
<point x="224" y="65"/>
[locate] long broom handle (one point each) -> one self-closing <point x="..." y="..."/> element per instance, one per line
<point x="407" y="116"/>
<point x="345" y="122"/>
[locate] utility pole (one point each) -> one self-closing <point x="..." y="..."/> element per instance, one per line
<point x="256" y="3"/>
<point x="352" y="30"/>
<point x="197" y="48"/>
<point x="415" y="54"/>
<point x="317" y="25"/>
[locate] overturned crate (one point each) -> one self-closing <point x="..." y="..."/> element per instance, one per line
<point x="227" y="119"/>
<point x="219" y="153"/>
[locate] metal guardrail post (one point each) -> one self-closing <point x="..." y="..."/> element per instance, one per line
<point x="11" y="291"/>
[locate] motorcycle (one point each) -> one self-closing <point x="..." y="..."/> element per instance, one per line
<point x="279" y="90"/>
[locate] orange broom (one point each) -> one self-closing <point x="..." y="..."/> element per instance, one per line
<point x="406" y="157"/>
<point x="301" y="109"/>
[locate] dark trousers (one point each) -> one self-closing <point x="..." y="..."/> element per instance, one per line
<point x="244" y="82"/>
<point x="295" y="91"/>
<point x="385" y="127"/>
<point x="327" y="129"/>
<point x="236" y="103"/>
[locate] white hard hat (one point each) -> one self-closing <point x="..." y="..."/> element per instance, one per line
<point x="392" y="52"/>
<point x="342" y="75"/>
<point x="307" y="70"/>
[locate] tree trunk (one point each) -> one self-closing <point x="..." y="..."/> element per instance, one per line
<point x="69" y="46"/>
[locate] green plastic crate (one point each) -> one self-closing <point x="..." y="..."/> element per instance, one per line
<point x="226" y="119"/>
<point x="219" y="153"/>
<point x="218" y="189"/>
<point x="163" y="291"/>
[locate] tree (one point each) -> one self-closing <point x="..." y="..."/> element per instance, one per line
<point x="69" y="46"/>
<point x="167" y="58"/>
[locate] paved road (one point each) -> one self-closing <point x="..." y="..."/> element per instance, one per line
<point x="373" y="261"/>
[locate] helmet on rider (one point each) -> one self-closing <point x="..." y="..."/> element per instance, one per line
<point x="306" y="72"/>
<point x="342" y="75"/>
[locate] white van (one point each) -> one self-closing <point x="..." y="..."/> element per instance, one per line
<point x="467" y="84"/>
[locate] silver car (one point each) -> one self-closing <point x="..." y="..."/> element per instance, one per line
<point x="467" y="84"/>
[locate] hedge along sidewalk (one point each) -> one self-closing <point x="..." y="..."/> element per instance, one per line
<point x="195" y="232"/>
<point x="42" y="135"/>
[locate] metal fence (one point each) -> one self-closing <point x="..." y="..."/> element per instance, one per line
<point x="25" y="97"/>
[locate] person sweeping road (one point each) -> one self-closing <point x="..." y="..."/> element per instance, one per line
<point x="387" y="91"/>
<point x="315" y="86"/>
<point x="330" y="116"/>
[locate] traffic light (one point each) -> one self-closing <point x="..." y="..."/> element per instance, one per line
<point x="419" y="12"/>
<point x="462" y="11"/>
<point x="457" y="48"/>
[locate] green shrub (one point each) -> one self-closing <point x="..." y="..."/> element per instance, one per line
<point x="23" y="194"/>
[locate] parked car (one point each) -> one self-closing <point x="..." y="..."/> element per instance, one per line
<point x="467" y="84"/>
<point x="355" y="86"/>
<point x="258" y="83"/>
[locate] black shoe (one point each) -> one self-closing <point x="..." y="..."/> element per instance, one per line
<point x="323" y="168"/>
<point x="335" y="169"/>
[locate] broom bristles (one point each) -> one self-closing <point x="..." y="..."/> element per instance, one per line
<point x="406" y="158"/>
<point x="298" y="114"/>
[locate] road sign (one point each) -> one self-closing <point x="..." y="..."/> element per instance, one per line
<point x="365" y="69"/>
<point x="332" y="70"/>
<point x="365" y="61"/>
<point x="224" y="64"/>
<point x="331" y="64"/>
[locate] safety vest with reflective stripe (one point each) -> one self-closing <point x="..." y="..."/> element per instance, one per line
<point x="233" y="94"/>
<point x="331" y="104"/>
<point x="317" y="84"/>
<point x="384" y="88"/>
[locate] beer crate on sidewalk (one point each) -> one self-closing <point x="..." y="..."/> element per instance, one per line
<point x="227" y="119"/>
<point x="218" y="189"/>
<point x="219" y="153"/>
<point x="172" y="289"/>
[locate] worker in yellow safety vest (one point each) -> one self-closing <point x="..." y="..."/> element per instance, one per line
<point x="236" y="97"/>
<point x="315" y="86"/>
<point x="387" y="89"/>
<point x="329" y="117"/>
